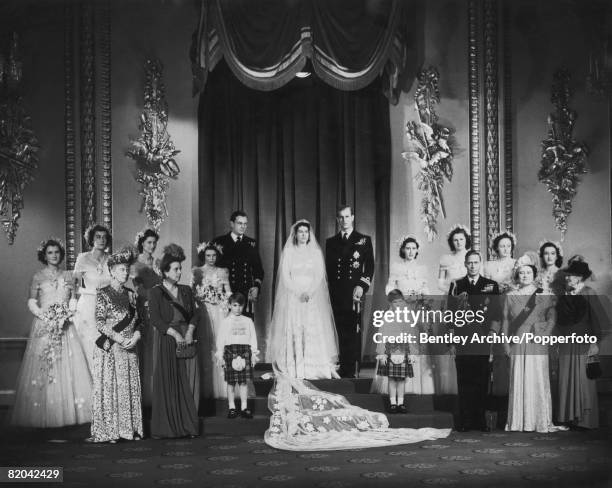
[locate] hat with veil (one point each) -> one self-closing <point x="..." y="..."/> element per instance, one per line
<point x="302" y="328"/>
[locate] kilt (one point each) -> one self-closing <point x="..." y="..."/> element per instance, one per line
<point x="398" y="371"/>
<point x="230" y="352"/>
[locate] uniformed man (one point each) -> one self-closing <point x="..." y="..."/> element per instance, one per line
<point x="349" y="261"/>
<point x="479" y="294"/>
<point x="240" y="256"/>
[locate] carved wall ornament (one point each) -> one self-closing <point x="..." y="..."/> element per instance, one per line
<point x="563" y="158"/>
<point x="153" y="151"/>
<point x="18" y="144"/>
<point x="431" y="146"/>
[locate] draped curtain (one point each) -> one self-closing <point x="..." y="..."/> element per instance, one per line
<point x="296" y="152"/>
<point x="349" y="43"/>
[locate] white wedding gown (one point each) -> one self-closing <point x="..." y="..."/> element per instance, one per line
<point x="303" y="344"/>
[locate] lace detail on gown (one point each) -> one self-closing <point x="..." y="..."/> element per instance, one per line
<point x="305" y="418"/>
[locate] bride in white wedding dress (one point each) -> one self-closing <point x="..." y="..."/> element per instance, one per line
<point x="303" y="344"/>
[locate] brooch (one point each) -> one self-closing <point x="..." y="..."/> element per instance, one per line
<point x="361" y="242"/>
<point x="356" y="254"/>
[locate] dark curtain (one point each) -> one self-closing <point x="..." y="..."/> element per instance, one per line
<point x="296" y="152"/>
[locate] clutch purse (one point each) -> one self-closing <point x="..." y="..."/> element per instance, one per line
<point x="186" y="352"/>
<point x="593" y="369"/>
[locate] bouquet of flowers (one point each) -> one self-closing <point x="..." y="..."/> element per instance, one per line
<point x="53" y="322"/>
<point x="211" y="294"/>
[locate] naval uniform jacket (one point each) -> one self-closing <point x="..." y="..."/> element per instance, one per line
<point x="348" y="264"/>
<point x="242" y="261"/>
<point x="482" y="296"/>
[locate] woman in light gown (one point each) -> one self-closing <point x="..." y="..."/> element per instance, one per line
<point x="452" y="267"/>
<point x="211" y="288"/>
<point x="91" y="273"/>
<point x="302" y="341"/>
<point x="527" y="310"/>
<point x="410" y="278"/>
<point x="501" y="269"/>
<point x="580" y="311"/>
<point x="117" y="400"/>
<point x="146" y="276"/>
<point x="54" y="384"/>
<point x="551" y="259"/>
<point x="303" y="344"/>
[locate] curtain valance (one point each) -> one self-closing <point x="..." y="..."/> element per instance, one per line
<point x="266" y="42"/>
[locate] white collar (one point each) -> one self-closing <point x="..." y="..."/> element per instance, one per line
<point x="473" y="278"/>
<point x="348" y="233"/>
<point x="235" y="236"/>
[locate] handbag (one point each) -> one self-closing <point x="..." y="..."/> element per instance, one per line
<point x="186" y="352"/>
<point x="593" y="369"/>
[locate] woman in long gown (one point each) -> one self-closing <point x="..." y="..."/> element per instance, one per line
<point x="526" y="310"/>
<point x="302" y="341"/>
<point x="176" y="388"/>
<point x="501" y="269"/>
<point x="117" y="399"/>
<point x="410" y="278"/>
<point x="211" y="287"/>
<point x="54" y="384"/>
<point x="304" y="417"/>
<point x="579" y="311"/>
<point x="452" y="267"/>
<point x="146" y="276"/>
<point x="91" y="273"/>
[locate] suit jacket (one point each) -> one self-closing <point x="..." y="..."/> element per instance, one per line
<point x="482" y="297"/>
<point x="161" y="311"/>
<point x="242" y="261"/>
<point x="348" y="264"/>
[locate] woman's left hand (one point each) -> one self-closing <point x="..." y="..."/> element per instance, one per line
<point x="593" y="350"/>
<point x="189" y="338"/>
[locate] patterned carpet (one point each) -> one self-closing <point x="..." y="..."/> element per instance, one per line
<point x="473" y="459"/>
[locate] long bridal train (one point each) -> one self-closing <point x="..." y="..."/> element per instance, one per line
<point x="305" y="418"/>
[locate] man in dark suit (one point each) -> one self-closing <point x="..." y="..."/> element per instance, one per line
<point x="240" y="256"/>
<point x="349" y="261"/>
<point x="479" y="295"/>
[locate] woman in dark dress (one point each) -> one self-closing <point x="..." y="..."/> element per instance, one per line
<point x="173" y="313"/>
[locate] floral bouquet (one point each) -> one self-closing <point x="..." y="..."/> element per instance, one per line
<point x="211" y="294"/>
<point x="53" y="326"/>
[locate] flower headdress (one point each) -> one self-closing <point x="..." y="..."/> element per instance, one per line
<point x="125" y="256"/>
<point x="506" y="234"/>
<point x="43" y="244"/>
<point x="402" y="239"/>
<point x="457" y="227"/>
<point x="555" y="243"/>
<point x="525" y="260"/>
<point x="203" y="245"/>
<point x="91" y="227"/>
<point x="139" y="235"/>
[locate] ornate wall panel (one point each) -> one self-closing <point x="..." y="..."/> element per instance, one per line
<point x="474" y="101"/>
<point x="507" y="126"/>
<point x="69" y="138"/>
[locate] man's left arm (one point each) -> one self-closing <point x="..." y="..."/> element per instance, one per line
<point x="495" y="310"/>
<point x="258" y="272"/>
<point x="365" y="281"/>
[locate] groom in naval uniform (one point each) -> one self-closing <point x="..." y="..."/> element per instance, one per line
<point x="477" y="294"/>
<point x="349" y="262"/>
<point x="240" y="256"/>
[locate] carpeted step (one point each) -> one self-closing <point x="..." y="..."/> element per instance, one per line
<point x="342" y="386"/>
<point x="369" y="401"/>
<point x="260" y="423"/>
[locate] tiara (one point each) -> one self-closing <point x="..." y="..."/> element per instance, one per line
<point x="203" y="245"/>
<point x="401" y="240"/>
<point x="505" y="233"/>
<point x="43" y="244"/>
<point x="555" y="243"/>
<point x="457" y="227"/>
<point x="524" y="260"/>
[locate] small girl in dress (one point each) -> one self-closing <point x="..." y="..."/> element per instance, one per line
<point x="394" y="359"/>
<point x="237" y="352"/>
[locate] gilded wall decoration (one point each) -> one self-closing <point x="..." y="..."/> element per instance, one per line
<point x="563" y="158"/>
<point x="18" y="144"/>
<point x="431" y="146"/>
<point x="154" y="151"/>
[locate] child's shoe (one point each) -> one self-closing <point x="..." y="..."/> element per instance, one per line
<point x="246" y="414"/>
<point x="402" y="409"/>
<point x="392" y="409"/>
<point x="232" y="413"/>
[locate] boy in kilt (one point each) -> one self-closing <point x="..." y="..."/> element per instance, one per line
<point x="394" y="359"/>
<point x="237" y="351"/>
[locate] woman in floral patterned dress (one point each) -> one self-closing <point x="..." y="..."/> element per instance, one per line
<point x="54" y="384"/>
<point x="91" y="273"/>
<point x="117" y="411"/>
<point x="211" y="288"/>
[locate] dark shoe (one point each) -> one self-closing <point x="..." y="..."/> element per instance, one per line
<point x="232" y="413"/>
<point x="246" y="414"/>
<point x="402" y="409"/>
<point x="392" y="409"/>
